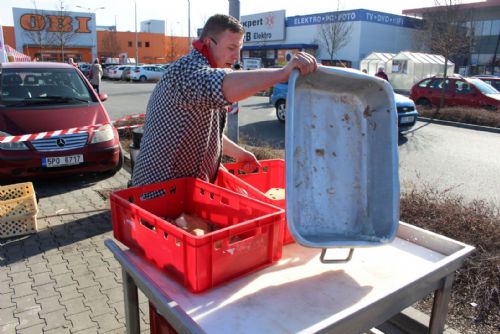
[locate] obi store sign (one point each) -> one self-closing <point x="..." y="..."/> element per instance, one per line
<point x="82" y="25"/>
<point x="263" y="27"/>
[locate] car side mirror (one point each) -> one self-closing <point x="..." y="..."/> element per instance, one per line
<point x="103" y="97"/>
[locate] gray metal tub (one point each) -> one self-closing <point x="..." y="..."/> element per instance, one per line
<point x="342" y="183"/>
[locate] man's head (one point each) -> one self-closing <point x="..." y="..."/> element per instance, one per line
<point x="381" y="68"/>
<point x="70" y="60"/>
<point x="223" y="34"/>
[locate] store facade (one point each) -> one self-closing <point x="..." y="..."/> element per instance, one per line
<point x="370" y="31"/>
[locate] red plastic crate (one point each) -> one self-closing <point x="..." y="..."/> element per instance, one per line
<point x="248" y="240"/>
<point x="271" y="174"/>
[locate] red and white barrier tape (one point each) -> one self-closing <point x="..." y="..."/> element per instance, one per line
<point x="43" y="135"/>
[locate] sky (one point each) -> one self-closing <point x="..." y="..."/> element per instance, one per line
<point x="175" y="12"/>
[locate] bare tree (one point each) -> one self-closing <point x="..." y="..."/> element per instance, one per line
<point x="63" y="32"/>
<point x="38" y="35"/>
<point x="445" y="32"/>
<point x="111" y="46"/>
<point x="173" y="47"/>
<point x="334" y="35"/>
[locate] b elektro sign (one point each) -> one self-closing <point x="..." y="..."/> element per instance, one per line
<point x="264" y="27"/>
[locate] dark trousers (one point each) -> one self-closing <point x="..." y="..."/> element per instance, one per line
<point x="96" y="88"/>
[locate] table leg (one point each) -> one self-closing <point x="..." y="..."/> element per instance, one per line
<point x="131" y="300"/>
<point x="440" y="306"/>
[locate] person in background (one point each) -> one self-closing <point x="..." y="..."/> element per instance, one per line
<point x="72" y="63"/>
<point x="186" y="113"/>
<point x="364" y="71"/>
<point x="381" y="73"/>
<point x="96" y="75"/>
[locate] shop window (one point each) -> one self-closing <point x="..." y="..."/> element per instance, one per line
<point x="129" y="44"/>
<point x="146" y="44"/>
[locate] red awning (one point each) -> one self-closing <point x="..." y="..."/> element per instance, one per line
<point x="18" y="56"/>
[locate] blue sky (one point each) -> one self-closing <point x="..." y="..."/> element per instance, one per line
<point x="175" y="12"/>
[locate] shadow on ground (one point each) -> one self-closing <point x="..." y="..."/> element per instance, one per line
<point x="62" y="236"/>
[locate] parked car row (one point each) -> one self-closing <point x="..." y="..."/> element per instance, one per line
<point x="140" y="73"/>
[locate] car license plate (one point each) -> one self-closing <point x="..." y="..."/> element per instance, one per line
<point x="407" y="119"/>
<point x="68" y="160"/>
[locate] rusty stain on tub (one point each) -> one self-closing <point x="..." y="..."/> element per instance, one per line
<point x="334" y="154"/>
<point x="320" y="152"/>
<point x="346" y="118"/>
<point x="367" y="113"/>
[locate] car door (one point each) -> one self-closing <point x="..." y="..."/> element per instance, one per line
<point x="464" y="94"/>
<point x="435" y="89"/>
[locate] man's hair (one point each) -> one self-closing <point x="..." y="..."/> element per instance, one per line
<point x="219" y="23"/>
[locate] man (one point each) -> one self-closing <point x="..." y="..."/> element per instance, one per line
<point x="186" y="113"/>
<point x="381" y="74"/>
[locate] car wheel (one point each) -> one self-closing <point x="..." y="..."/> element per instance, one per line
<point x="281" y="110"/>
<point x="142" y="78"/>
<point x="424" y="102"/>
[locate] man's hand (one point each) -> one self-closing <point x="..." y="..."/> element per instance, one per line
<point x="241" y="155"/>
<point x="302" y="61"/>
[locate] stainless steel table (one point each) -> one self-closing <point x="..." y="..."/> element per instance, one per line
<point x="299" y="294"/>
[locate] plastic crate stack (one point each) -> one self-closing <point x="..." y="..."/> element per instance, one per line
<point x="18" y="210"/>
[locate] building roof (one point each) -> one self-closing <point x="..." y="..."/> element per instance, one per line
<point x="473" y="5"/>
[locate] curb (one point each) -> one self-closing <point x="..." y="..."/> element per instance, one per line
<point x="460" y="125"/>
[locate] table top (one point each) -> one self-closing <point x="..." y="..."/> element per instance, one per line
<point x="301" y="294"/>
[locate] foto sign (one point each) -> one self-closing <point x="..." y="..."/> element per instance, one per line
<point x="263" y="27"/>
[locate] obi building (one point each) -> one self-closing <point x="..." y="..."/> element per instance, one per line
<point x="272" y="36"/>
<point x="55" y="35"/>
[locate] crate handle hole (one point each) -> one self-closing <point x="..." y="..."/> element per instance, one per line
<point x="202" y="191"/>
<point x="153" y="194"/>
<point x="148" y="225"/>
<point x="173" y="190"/>
<point x="265" y="169"/>
<point x="131" y="199"/>
<point x="212" y="195"/>
<point x="218" y="245"/>
<point x="242" y="236"/>
<point x="178" y="243"/>
<point x="165" y="235"/>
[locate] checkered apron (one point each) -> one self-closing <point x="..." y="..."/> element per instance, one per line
<point x="184" y="123"/>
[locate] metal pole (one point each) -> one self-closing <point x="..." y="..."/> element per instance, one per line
<point x="136" y="46"/>
<point x="189" y="25"/>
<point x="232" y="122"/>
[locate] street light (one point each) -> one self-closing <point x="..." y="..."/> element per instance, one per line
<point x="189" y="25"/>
<point x="92" y="10"/>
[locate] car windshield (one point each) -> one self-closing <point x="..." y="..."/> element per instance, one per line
<point x="484" y="87"/>
<point x="19" y="87"/>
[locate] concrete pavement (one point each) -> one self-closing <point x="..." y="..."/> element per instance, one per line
<point x="63" y="279"/>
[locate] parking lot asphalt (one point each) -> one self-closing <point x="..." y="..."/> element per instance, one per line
<point x="63" y="279"/>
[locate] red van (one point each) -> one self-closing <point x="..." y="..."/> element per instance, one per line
<point x="54" y="101"/>
<point x="459" y="91"/>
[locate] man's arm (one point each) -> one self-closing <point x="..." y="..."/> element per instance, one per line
<point x="238" y="153"/>
<point x="239" y="85"/>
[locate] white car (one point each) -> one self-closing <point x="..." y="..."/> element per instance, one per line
<point x="147" y="72"/>
<point x="116" y="73"/>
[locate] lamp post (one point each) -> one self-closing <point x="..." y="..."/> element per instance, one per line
<point x="92" y="11"/>
<point x="189" y="25"/>
<point x="232" y="121"/>
<point x="136" y="43"/>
